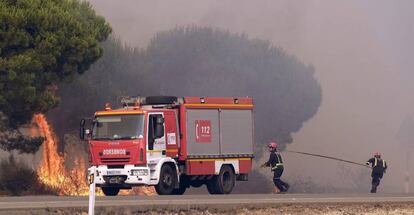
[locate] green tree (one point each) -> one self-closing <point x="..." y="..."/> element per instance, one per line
<point x="42" y="43"/>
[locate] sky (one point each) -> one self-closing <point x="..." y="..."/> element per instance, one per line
<point x="362" y="52"/>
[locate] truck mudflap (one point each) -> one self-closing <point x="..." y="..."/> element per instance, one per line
<point x="128" y="176"/>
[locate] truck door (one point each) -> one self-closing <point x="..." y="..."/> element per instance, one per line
<point x="171" y="125"/>
<point x="156" y="137"/>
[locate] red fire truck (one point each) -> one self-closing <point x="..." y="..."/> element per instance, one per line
<point x="172" y="143"/>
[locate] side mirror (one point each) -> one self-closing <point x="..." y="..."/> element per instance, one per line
<point x="82" y="129"/>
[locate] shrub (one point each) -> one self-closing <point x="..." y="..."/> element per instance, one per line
<point x="16" y="178"/>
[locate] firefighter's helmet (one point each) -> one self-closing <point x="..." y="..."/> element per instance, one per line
<point x="272" y="145"/>
<point x="377" y="154"/>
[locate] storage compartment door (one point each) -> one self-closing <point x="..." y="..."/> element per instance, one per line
<point x="202" y="132"/>
<point x="236" y="132"/>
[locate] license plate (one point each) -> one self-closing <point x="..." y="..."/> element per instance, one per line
<point x="113" y="172"/>
<point x="114" y="180"/>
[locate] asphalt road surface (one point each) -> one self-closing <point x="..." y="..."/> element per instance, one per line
<point x="187" y="201"/>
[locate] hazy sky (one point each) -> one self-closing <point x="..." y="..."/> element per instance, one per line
<point x="362" y="52"/>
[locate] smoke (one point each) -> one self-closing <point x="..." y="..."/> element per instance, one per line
<point x="362" y="53"/>
<point x="196" y="61"/>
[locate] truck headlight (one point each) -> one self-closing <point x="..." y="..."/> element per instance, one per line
<point x="139" y="172"/>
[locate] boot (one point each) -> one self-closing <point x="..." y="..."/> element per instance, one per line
<point x="286" y="187"/>
<point x="373" y="189"/>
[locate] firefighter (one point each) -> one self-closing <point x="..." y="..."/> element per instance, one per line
<point x="379" y="166"/>
<point x="276" y="164"/>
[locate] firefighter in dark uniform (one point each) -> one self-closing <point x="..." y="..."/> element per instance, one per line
<point x="276" y="164"/>
<point x="379" y="166"/>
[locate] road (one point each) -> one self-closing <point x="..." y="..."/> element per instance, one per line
<point x="187" y="201"/>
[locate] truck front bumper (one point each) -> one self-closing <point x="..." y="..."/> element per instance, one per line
<point x="122" y="177"/>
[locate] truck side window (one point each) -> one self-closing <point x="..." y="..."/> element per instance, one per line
<point x="152" y="129"/>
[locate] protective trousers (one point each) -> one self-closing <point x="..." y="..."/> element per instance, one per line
<point x="376" y="177"/>
<point x="281" y="185"/>
<point x="375" y="183"/>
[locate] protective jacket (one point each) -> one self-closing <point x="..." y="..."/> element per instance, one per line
<point x="378" y="166"/>
<point x="275" y="161"/>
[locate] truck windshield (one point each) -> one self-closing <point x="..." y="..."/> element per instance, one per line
<point x="119" y="127"/>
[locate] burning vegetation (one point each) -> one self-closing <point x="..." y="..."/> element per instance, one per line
<point x="52" y="171"/>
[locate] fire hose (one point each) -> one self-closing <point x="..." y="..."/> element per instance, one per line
<point x="328" y="157"/>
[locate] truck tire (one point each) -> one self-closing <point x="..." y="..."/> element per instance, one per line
<point x="168" y="178"/>
<point x="182" y="187"/>
<point x="110" y="191"/>
<point x="180" y="190"/>
<point x="222" y="183"/>
<point x="160" y="100"/>
<point x="211" y="186"/>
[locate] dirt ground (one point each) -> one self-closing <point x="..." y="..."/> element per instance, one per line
<point x="282" y="209"/>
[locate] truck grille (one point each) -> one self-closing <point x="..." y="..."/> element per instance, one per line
<point x="116" y="166"/>
<point x="115" y="160"/>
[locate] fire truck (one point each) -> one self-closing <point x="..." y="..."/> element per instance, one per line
<point x="171" y="143"/>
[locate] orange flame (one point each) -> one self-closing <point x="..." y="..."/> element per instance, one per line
<point x="53" y="173"/>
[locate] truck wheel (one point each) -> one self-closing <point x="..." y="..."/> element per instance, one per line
<point x="222" y="183"/>
<point x="180" y="190"/>
<point x="168" y="178"/>
<point x="183" y="186"/>
<point x="211" y="186"/>
<point x="110" y="191"/>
